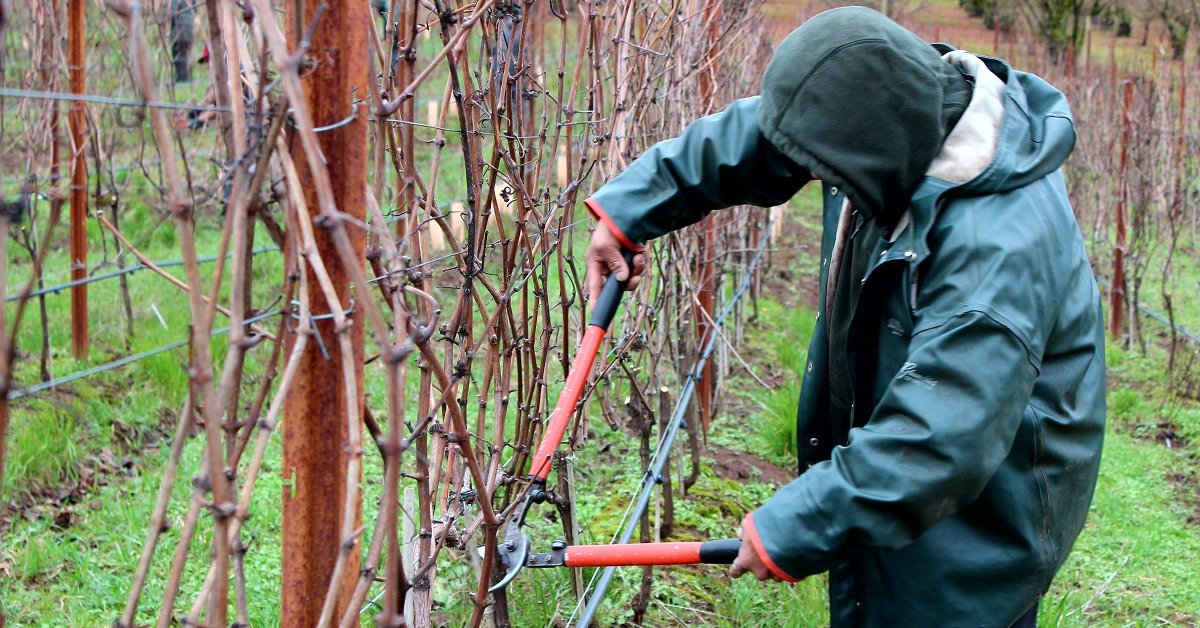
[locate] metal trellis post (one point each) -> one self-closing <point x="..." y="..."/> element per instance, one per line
<point x="78" y="122"/>
<point x="315" y="431"/>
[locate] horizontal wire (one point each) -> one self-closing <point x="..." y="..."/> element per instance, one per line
<point x="114" y="170"/>
<point x="125" y="271"/>
<point x="106" y="100"/>
<point x="1188" y="334"/>
<point x="125" y="361"/>
<point x="120" y="362"/>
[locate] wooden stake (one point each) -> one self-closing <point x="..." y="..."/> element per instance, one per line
<point x="435" y="237"/>
<point x="560" y="170"/>
<point x="1116" y="308"/>
<point x="458" y="221"/>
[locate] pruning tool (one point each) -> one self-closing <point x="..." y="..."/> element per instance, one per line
<point x="514" y="552"/>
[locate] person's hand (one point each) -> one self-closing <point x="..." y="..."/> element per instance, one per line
<point x="747" y="561"/>
<point x="604" y="257"/>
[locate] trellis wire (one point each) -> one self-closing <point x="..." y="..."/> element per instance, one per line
<point x="124" y="271"/>
<point x="120" y="362"/>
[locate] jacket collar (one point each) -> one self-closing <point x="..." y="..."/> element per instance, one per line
<point x="969" y="150"/>
<point x="972" y="144"/>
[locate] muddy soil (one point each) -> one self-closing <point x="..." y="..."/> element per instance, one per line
<point x="108" y="466"/>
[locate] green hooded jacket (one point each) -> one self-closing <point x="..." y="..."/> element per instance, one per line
<point x="952" y="414"/>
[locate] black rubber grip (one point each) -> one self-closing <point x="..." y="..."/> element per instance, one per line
<point x="720" y="552"/>
<point x="605" y="308"/>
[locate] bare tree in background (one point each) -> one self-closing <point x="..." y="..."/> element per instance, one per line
<point x="1178" y="16"/>
<point x="994" y="13"/>
<point x="1059" y="24"/>
<point x="5" y="15"/>
<point x="895" y="9"/>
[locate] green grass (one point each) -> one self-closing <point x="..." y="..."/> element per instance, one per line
<point x="81" y="574"/>
<point x="75" y="572"/>
<point x="1135" y="562"/>
<point x="779" y="404"/>
<point x="44" y="448"/>
<point x="53" y="432"/>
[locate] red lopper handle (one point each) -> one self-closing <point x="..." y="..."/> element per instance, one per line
<point x="576" y="380"/>
<point x="721" y="551"/>
<point x="556" y="425"/>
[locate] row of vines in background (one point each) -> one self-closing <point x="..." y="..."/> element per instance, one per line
<point x="422" y="176"/>
<point x="1135" y="182"/>
<point x="1134" y="176"/>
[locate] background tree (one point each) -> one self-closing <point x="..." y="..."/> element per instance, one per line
<point x="1178" y="16"/>
<point x="1060" y="24"/>
<point x="994" y="13"/>
<point x="895" y="9"/>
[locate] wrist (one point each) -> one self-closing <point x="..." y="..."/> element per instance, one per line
<point x="750" y="536"/>
<point x="602" y="216"/>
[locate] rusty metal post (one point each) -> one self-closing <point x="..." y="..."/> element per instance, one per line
<point x="78" y="123"/>
<point x="1116" y="307"/>
<point x="5" y="366"/>
<point x="705" y="278"/>
<point x="705" y="274"/>
<point x="315" y="433"/>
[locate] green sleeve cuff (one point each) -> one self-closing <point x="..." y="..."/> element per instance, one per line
<point x="750" y="535"/>
<point x="598" y="212"/>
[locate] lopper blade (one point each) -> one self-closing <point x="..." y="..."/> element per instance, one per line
<point x="512" y="554"/>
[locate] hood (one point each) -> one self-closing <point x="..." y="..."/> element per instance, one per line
<point x="1017" y="129"/>
<point x="863" y="103"/>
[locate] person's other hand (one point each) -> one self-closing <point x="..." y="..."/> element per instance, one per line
<point x="604" y="257"/>
<point x="748" y="561"/>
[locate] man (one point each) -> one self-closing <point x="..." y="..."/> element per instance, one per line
<point x="952" y="410"/>
<point x="182" y="34"/>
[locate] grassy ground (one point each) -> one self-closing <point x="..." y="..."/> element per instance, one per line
<point x="1135" y="564"/>
<point x="52" y="432"/>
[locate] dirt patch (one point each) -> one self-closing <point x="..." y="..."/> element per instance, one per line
<point x="1164" y="433"/>
<point x="1187" y="487"/>
<point x="791" y="278"/>
<point x="58" y="502"/>
<point x="100" y="469"/>
<point x="1169" y="437"/>
<point x="737" y="465"/>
